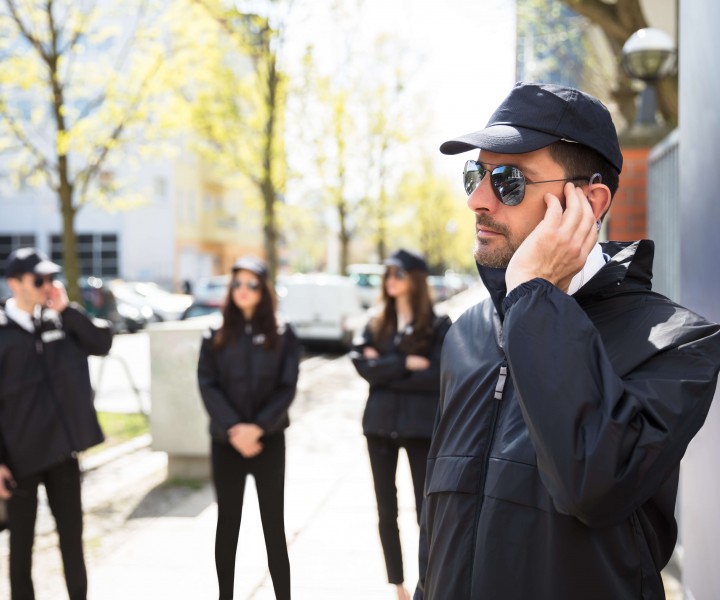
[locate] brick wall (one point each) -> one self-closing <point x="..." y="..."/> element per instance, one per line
<point x="627" y="219"/>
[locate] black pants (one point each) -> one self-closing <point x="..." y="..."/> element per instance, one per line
<point x="230" y="470"/>
<point x="383" y="462"/>
<point x="62" y="484"/>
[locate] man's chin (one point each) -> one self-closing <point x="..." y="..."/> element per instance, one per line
<point x="490" y="258"/>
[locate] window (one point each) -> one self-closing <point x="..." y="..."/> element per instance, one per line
<point x="11" y="241"/>
<point x="98" y="253"/>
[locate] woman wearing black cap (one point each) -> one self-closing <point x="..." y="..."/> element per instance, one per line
<point x="247" y="373"/>
<point x="399" y="356"/>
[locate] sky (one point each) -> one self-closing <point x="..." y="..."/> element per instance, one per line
<point x="463" y="57"/>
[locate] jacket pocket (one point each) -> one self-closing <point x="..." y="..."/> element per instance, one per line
<point x="451" y="506"/>
<point x="519" y="483"/>
<point x="453" y="474"/>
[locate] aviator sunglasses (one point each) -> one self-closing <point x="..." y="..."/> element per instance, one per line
<point x="508" y="182"/>
<point x="253" y="286"/>
<point x="396" y="273"/>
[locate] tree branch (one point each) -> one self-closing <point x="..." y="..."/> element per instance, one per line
<point x="24" y="31"/>
<point x="91" y="170"/>
<point x="41" y="161"/>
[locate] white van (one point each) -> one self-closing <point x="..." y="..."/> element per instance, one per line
<point x="321" y="307"/>
<point x="368" y="278"/>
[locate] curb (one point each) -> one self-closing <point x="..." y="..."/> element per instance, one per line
<point x="95" y="461"/>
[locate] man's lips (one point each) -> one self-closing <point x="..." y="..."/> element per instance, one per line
<point x="486" y="232"/>
<point x="485" y="229"/>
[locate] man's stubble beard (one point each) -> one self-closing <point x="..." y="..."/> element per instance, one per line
<point x="484" y="254"/>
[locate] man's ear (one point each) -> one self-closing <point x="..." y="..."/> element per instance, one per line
<point x="13" y="284"/>
<point x="599" y="196"/>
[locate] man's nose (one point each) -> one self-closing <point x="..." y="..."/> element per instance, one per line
<point x="483" y="197"/>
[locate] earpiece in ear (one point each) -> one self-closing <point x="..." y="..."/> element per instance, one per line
<point x="596" y="178"/>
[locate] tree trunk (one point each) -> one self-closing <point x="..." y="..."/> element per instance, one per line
<point x="344" y="237"/>
<point x="382" y="225"/>
<point x="71" y="264"/>
<point x="65" y="187"/>
<point x="269" y="192"/>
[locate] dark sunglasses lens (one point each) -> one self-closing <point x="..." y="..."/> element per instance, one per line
<point x="253" y="286"/>
<point x="398" y="274"/>
<point x="509" y="184"/>
<point x="472" y="176"/>
<point x="41" y="279"/>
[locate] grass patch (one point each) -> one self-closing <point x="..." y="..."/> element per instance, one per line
<point x="119" y="428"/>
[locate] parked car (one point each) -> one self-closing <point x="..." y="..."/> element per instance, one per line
<point x="321" y="307"/>
<point x="155" y="303"/>
<point x="201" y="309"/>
<point x="211" y="289"/>
<point x="99" y="301"/>
<point x="368" y="278"/>
<point x="438" y="288"/>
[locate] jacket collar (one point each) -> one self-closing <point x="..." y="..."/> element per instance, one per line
<point x="629" y="267"/>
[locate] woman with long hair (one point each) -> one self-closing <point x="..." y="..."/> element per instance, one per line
<point x="247" y="374"/>
<point x="399" y="356"/>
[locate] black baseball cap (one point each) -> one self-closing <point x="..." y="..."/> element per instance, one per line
<point x="535" y="115"/>
<point x="407" y="260"/>
<point x="29" y="260"/>
<point x="252" y="264"/>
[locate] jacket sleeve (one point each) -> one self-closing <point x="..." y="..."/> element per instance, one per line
<point x="377" y="371"/>
<point x="217" y="404"/>
<point x="275" y="409"/>
<point x="604" y="441"/>
<point x="93" y="335"/>
<point x="427" y="380"/>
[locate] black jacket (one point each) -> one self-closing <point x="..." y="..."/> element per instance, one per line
<point x="401" y="403"/>
<point x="46" y="400"/>
<point x="242" y="382"/>
<point x="553" y="470"/>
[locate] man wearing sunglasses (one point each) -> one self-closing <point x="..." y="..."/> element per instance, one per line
<point x="569" y="396"/>
<point x="46" y="413"/>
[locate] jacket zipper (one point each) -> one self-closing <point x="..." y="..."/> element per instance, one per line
<point x="40" y="349"/>
<point x="497" y="399"/>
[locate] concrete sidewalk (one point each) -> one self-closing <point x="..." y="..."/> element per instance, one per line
<point x="147" y="540"/>
<point x="331" y="520"/>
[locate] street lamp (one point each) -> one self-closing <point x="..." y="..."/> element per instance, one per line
<point x="649" y="54"/>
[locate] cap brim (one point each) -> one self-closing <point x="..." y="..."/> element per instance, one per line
<point x="393" y="262"/>
<point x="46" y="267"/>
<point x="250" y="265"/>
<point x="504" y="139"/>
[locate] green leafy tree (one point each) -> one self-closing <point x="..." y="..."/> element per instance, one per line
<point x="434" y="218"/>
<point x="77" y="84"/>
<point x="242" y="115"/>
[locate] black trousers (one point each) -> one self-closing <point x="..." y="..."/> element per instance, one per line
<point x="62" y="484"/>
<point x="383" y="462"/>
<point x="230" y="471"/>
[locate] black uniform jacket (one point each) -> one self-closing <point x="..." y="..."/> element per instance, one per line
<point x="242" y="382"/>
<point x="402" y="403"/>
<point x="553" y="470"/>
<point x="46" y="400"/>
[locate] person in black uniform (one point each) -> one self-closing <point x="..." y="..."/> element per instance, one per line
<point x="570" y="394"/>
<point x="247" y="374"/>
<point x="399" y="356"/>
<point x="46" y="413"/>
